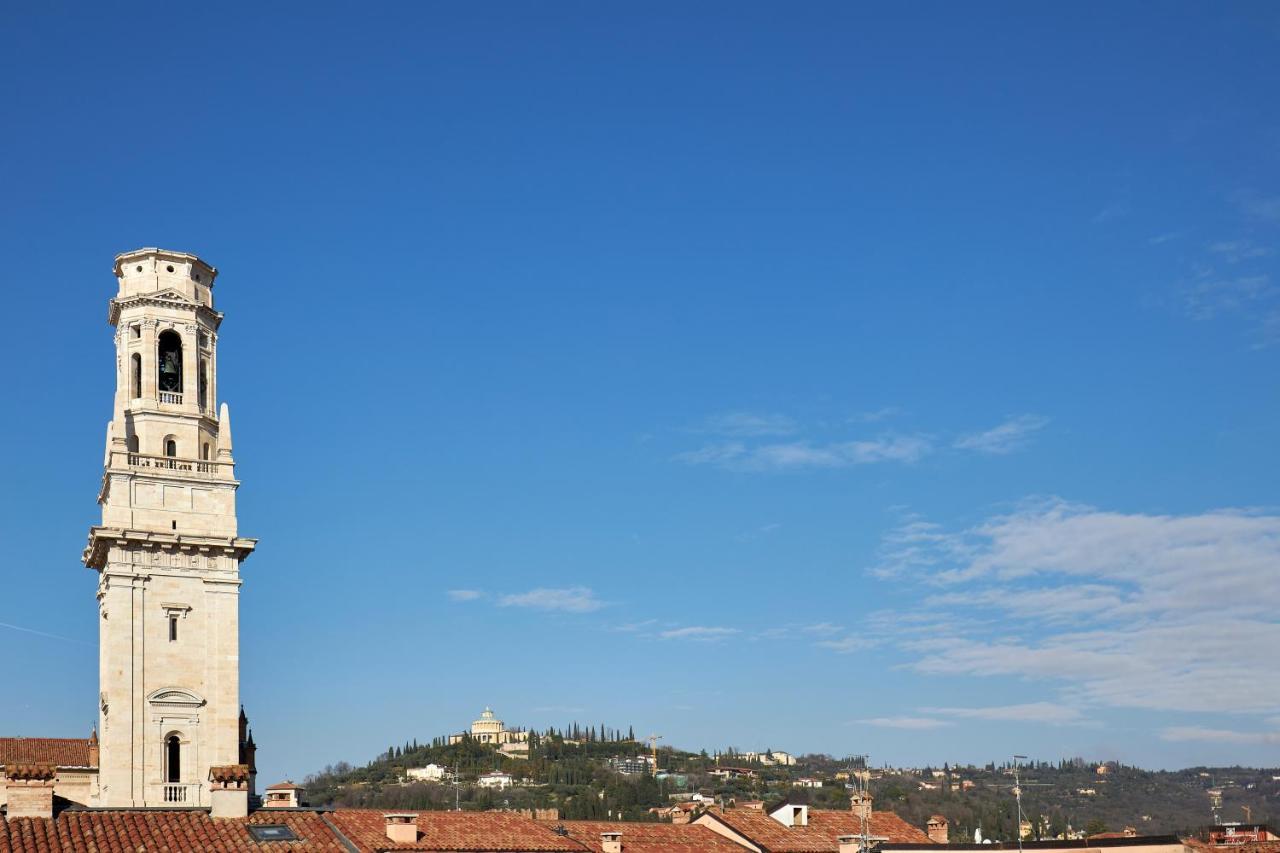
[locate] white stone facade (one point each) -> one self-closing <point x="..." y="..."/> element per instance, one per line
<point x="168" y="551"/>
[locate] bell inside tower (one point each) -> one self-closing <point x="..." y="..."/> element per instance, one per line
<point x="169" y="352"/>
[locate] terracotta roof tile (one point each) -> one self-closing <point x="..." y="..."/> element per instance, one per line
<point x="825" y="825"/>
<point x="651" y="837"/>
<point x="454" y="831"/>
<point x="43" y="770"/>
<point x="229" y="773"/>
<point x="62" y="751"/>
<point x="157" y="831"/>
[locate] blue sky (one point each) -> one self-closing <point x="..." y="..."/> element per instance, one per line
<point x="890" y="379"/>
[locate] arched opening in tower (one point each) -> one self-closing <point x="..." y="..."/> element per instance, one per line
<point x="170" y="362"/>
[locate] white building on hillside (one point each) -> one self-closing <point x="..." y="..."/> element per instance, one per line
<point x="497" y="779"/>
<point x="430" y="773"/>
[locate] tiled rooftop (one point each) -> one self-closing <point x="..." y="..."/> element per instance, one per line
<point x="825" y="825"/>
<point x="156" y="831"/>
<point x="62" y="751"/>
<point x="651" y="837"/>
<point x="454" y="831"/>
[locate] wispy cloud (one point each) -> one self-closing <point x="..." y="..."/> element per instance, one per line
<point x="916" y="723"/>
<point x="1160" y="239"/>
<point x="633" y="627"/>
<point x="1030" y="712"/>
<point x="1113" y="211"/>
<point x="793" y="456"/>
<point x="700" y="633"/>
<point x="573" y="599"/>
<point x="1198" y="733"/>
<point x="1235" y="251"/>
<point x="465" y="594"/>
<point x="917" y="545"/>
<point x="875" y="415"/>
<point x="760" y="532"/>
<point x="1164" y="612"/>
<point x="1209" y="295"/>
<point x="847" y="644"/>
<point x="1258" y="206"/>
<point x="749" y="424"/>
<point x="1012" y="435"/>
<point x="1268" y="331"/>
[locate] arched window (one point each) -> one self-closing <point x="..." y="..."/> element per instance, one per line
<point x="133" y="444"/>
<point x="204" y="452"/>
<point x="135" y="375"/>
<point x="169" y="362"/>
<point x="172" y="759"/>
<point x="170" y="446"/>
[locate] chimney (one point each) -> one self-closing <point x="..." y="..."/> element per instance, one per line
<point x="229" y="791"/>
<point x="937" y="829"/>
<point x="95" y="751"/>
<point x="30" y="789"/>
<point x="611" y="842"/>
<point x="402" y="828"/>
<point x="848" y="843"/>
<point x="861" y="805"/>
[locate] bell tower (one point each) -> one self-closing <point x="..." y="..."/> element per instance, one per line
<point x="167" y="552"/>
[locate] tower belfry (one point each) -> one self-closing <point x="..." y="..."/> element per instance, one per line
<point x="167" y="552"/>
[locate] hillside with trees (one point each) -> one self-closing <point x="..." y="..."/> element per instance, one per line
<point x="576" y="770"/>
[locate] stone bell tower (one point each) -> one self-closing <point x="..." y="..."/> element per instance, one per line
<point x="167" y="553"/>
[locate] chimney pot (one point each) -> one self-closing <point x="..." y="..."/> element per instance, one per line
<point x="229" y="791"/>
<point x="402" y="827"/>
<point x="861" y="805"/>
<point x="611" y="842"/>
<point x="30" y="789"/>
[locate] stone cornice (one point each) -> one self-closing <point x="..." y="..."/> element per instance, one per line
<point x="162" y="299"/>
<point x="102" y="538"/>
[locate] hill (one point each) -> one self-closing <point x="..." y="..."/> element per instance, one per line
<point x="581" y="777"/>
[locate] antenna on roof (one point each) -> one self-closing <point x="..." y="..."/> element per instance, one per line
<point x="862" y="790"/>
<point x="1017" y="793"/>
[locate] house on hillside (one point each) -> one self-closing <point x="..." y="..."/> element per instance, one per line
<point x="496" y="779"/>
<point x="430" y="773"/>
<point x="283" y="795"/>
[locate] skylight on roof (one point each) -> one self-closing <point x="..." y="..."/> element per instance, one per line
<point x="271" y="832"/>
